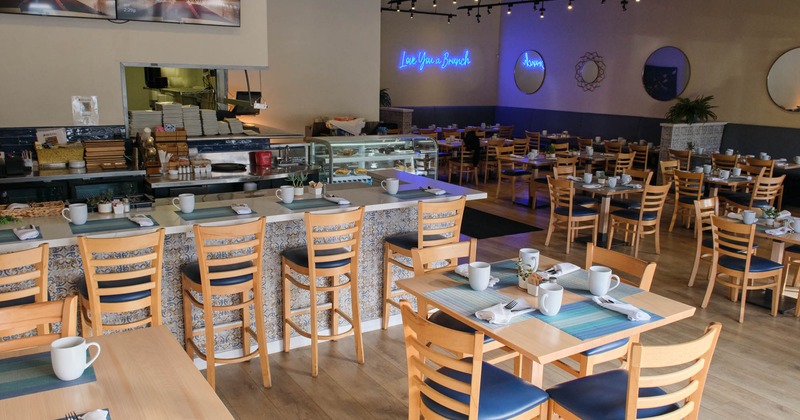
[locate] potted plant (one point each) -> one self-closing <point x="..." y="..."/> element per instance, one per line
<point x="551" y="151"/>
<point x="770" y="213"/>
<point x="101" y="202"/>
<point x="297" y="179"/>
<point x="690" y="111"/>
<point x="691" y="120"/>
<point x="385" y="98"/>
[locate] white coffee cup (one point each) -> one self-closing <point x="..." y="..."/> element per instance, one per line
<point x="796" y="160"/>
<point x="68" y="356"/>
<point x="795" y="224"/>
<point x="729" y="152"/>
<point x="587" y="178"/>
<point x="748" y="217"/>
<point x="736" y="171"/>
<point x="529" y="257"/>
<point x="184" y="202"/>
<point x="597" y="174"/>
<point x="700" y="150"/>
<point x="762" y="155"/>
<point x="724" y="174"/>
<point x="78" y="213"/>
<point x="698" y="169"/>
<point x="550" y="296"/>
<point x="598" y="139"/>
<point x="612" y="182"/>
<point x="590" y="151"/>
<point x="706" y="169"/>
<point x="286" y="193"/>
<point x="390" y="185"/>
<point x="544" y="132"/>
<point x="600" y="280"/>
<point x="479" y="274"/>
<point x="625" y="179"/>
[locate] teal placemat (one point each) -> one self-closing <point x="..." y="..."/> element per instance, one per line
<point x="466" y="302"/>
<point x="415" y="194"/>
<point x="209" y="213"/>
<point x="120" y="223"/>
<point x="505" y="271"/>
<point x="33" y="373"/>
<point x="7" y="235"/>
<point x="578" y="282"/>
<point x="310" y="203"/>
<point x="586" y="320"/>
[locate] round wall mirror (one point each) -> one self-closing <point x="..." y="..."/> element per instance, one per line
<point x="666" y="73"/>
<point x="529" y="72"/>
<point x="589" y="71"/>
<point x="783" y="81"/>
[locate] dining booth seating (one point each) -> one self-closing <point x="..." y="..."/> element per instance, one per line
<point x="663" y="382"/>
<point x="17" y="319"/>
<point x="227" y="277"/>
<point x="443" y="385"/>
<point x="23" y="276"/>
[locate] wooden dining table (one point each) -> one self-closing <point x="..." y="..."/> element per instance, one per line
<point x="538" y="339"/>
<point x="140" y="374"/>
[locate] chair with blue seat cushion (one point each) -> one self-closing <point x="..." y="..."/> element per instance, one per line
<point x="225" y="279"/>
<point x="509" y="171"/>
<point x="763" y="195"/>
<point x="329" y="261"/>
<point x="23" y="279"/>
<point x="632" y="271"/>
<point x="438" y="223"/>
<point x="684" y="158"/>
<point x="646" y="220"/>
<point x="791" y="256"/>
<point x="14" y="320"/>
<point x="734" y="256"/>
<point x="638" y="176"/>
<point x="565" y="214"/>
<point x="688" y="188"/>
<point x="121" y="274"/>
<point x="703" y="210"/>
<point x="674" y="391"/>
<point x="443" y="385"/>
<point x="567" y="166"/>
<point x="621" y="163"/>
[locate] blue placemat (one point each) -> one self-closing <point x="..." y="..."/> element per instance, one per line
<point x="310" y="203"/>
<point x="466" y="302"/>
<point x="209" y="213"/>
<point x="120" y="223"/>
<point x="416" y="194"/>
<point x="586" y="320"/>
<point x="505" y="271"/>
<point x="7" y="235"/>
<point x="33" y="373"/>
<point x="578" y="282"/>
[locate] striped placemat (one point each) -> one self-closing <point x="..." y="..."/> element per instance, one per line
<point x="310" y="203"/>
<point x="505" y="271"/>
<point x="415" y="194"/>
<point x="578" y="282"/>
<point x="120" y="223"/>
<point x="33" y="373"/>
<point x="209" y="213"/>
<point x="585" y="320"/>
<point x="466" y="302"/>
<point x="7" y="235"/>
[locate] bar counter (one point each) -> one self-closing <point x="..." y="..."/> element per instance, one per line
<point x="384" y="215"/>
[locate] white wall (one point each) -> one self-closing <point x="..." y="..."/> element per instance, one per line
<point x="47" y="60"/>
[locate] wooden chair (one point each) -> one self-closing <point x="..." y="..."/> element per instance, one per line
<point x="723" y="161"/>
<point x="664" y="382"/>
<point x="637" y="273"/>
<point x="228" y="270"/>
<point x="638" y="176"/>
<point x="767" y="164"/>
<point x="121" y="274"/>
<point x="791" y="256"/>
<point x="642" y="157"/>
<point x="703" y="210"/>
<point x="462" y="164"/>
<point x="583" y="143"/>
<point x="332" y="248"/>
<point x="489" y="161"/>
<point x="509" y="172"/>
<point x="438" y="223"/>
<point x="565" y="214"/>
<point x="424" y="131"/>
<point x="392" y="131"/>
<point x="684" y="158"/>
<point x="505" y="131"/>
<point x="561" y="147"/>
<point x="688" y="188"/>
<point x="667" y="169"/>
<point x="734" y="256"/>
<point x="521" y="146"/>
<point x="622" y="163"/>
<point x="442" y="385"/>
<point x="765" y="192"/>
<point x="561" y="161"/>
<point x="612" y="147"/>
<point x="534" y="140"/>
<point x="646" y="220"/>
<point x="17" y="319"/>
<point x="451" y="132"/>
<point x="23" y="276"/>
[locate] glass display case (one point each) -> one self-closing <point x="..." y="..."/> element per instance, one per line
<point x="349" y="158"/>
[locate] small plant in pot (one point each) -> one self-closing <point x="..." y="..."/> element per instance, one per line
<point x="101" y="202"/>
<point x="551" y="151"/>
<point x="297" y="179"/>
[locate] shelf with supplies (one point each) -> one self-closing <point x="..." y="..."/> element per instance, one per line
<point x="351" y="157"/>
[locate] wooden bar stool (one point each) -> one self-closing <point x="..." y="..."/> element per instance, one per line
<point x="29" y="279"/>
<point x="332" y="246"/>
<point x="229" y="263"/>
<point x="438" y="223"/>
<point x="120" y="275"/>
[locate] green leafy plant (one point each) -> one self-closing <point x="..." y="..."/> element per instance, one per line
<point x="8" y="219"/>
<point x="385" y="98"/>
<point x="297" y="179"/>
<point x="104" y="197"/>
<point x="771" y="212"/>
<point x="690" y="111"/>
<point x="551" y="149"/>
<point x="690" y="145"/>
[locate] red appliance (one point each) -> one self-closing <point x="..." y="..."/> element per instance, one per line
<point x="261" y="159"/>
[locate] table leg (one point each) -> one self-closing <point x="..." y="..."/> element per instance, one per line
<point x="532" y="372"/>
<point x="777" y="251"/>
<point x="605" y="209"/>
<point x="714" y="191"/>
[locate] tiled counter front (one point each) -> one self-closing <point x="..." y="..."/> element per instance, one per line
<point x="66" y="271"/>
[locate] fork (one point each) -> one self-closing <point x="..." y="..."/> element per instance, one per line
<point x="511" y="305"/>
<point x="71" y="416"/>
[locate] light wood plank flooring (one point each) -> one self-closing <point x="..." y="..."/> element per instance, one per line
<point x="755" y="372"/>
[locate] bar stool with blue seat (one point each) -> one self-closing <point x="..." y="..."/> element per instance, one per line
<point x="438" y="223"/>
<point x="664" y="382"/>
<point x="121" y="275"/>
<point x="333" y="240"/>
<point x="23" y="277"/>
<point x="226" y="278"/>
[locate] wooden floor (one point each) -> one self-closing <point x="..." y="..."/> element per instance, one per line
<point x="755" y="372"/>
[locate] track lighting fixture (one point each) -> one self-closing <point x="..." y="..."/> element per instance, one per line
<point x="624" y="5"/>
<point x="538" y="6"/>
<point x="569" y="5"/>
<point x="434" y="3"/>
<point x="541" y="12"/>
<point x="508" y="12"/>
<point x="478" y="17"/>
<point x="489" y="10"/>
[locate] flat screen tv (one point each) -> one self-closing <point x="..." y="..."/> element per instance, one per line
<point x="93" y="9"/>
<point x="196" y="12"/>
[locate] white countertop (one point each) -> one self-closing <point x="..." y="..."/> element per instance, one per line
<point x="56" y="231"/>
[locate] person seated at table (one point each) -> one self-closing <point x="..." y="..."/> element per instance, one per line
<point x="473" y="143"/>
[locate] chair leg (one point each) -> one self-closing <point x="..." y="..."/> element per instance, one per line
<point x="261" y="335"/>
<point x="356" y="311"/>
<point x="570" y="232"/>
<point x="712" y="276"/>
<point x="611" y="233"/>
<point x="674" y="216"/>
<point x="387" y="286"/>
<point x="287" y="308"/>
<point x="313" y="328"/>
<point x="187" y="323"/>
<point x="497" y="190"/>
<point x="550" y="230"/>
<point x="776" y="294"/>
<point x="744" y="299"/>
<point x="696" y="266"/>
<point x="211" y="358"/>
<point x="637" y="239"/>
<point x="658" y="238"/>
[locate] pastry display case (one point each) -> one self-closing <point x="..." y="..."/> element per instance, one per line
<point x="350" y="158"/>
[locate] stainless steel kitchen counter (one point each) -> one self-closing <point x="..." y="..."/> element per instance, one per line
<point x="187" y="180"/>
<point x="48" y="175"/>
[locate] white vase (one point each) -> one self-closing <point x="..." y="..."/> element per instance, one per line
<point x="104" y="207"/>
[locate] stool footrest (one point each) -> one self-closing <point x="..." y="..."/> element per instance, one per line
<point x="307" y="309"/>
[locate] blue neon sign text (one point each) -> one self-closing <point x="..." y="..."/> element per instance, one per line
<point x="527" y="62"/>
<point x="443" y="61"/>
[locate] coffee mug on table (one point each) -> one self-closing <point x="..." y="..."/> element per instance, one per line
<point x="390" y="185"/>
<point x="706" y="169"/>
<point x="736" y="171"/>
<point x="184" y="202"/>
<point x="550" y="296"/>
<point x="625" y="179"/>
<point x="762" y="155"/>
<point x="729" y="152"/>
<point x="748" y="217"/>
<point x="479" y="274"/>
<point x="612" y="182"/>
<point x="724" y="174"/>
<point x="589" y="151"/>
<point x="698" y="169"/>
<point x="797" y="159"/>
<point x="78" y="213"/>
<point x="600" y="280"/>
<point x="68" y="356"/>
<point x="587" y="178"/>
<point x="529" y="258"/>
<point x="286" y="193"/>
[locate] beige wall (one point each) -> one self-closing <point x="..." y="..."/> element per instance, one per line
<point x="47" y="60"/>
<point x="324" y="61"/>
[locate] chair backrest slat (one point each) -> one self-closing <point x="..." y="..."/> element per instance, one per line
<point x="684" y="157"/>
<point x="632" y="270"/>
<point x="20" y="318"/>
<point x="422" y="258"/>
<point x="439" y="221"/>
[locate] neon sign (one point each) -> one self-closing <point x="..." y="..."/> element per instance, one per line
<point x="527" y="62"/>
<point x="443" y="61"/>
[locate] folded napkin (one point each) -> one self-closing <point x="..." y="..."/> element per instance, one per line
<point x="337" y="200"/>
<point x="635" y="186"/>
<point x="714" y="178"/>
<point x="633" y="313"/>
<point x="783" y="215"/>
<point x="498" y="314"/>
<point x="16" y="206"/>
<point x="561" y="269"/>
<point x="574" y="178"/>
<point x="26" y="232"/>
<point x="463" y="271"/>
<point x="516" y="156"/>
<point x="778" y="231"/>
<point x="95" y="415"/>
<point x="746" y="178"/>
<point x="141" y="219"/>
<point x="434" y="191"/>
<point x="241" y="208"/>
<point x="734" y="216"/>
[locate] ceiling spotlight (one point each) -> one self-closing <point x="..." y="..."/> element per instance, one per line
<point x="434" y="3"/>
<point x="541" y="11"/>
<point x="412" y="14"/>
<point x="455" y="1"/>
<point x="413" y="4"/>
<point x="508" y="12"/>
<point x="478" y="17"/>
<point x="569" y="6"/>
<point x="624" y="5"/>
<point x="398" y="7"/>
<point x="448" y="19"/>
<point x="489" y="10"/>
